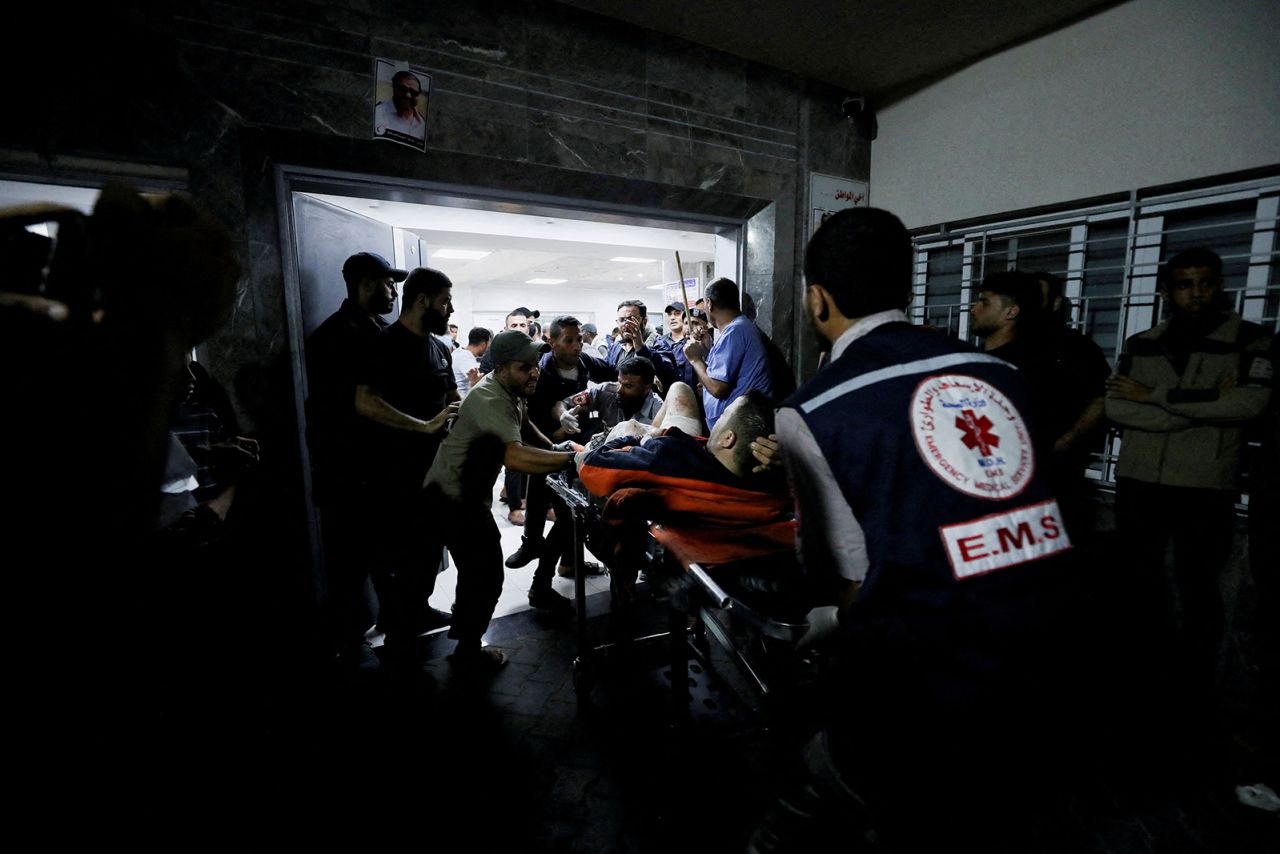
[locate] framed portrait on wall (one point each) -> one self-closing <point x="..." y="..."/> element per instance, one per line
<point x="400" y="97"/>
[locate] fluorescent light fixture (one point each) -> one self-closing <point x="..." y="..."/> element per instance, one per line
<point x="545" y="281"/>
<point x="654" y="287"/>
<point x="629" y="260"/>
<point x="461" y="254"/>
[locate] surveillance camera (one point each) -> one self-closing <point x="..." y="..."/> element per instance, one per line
<point x="858" y="111"/>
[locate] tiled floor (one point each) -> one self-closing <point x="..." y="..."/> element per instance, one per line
<point x="265" y="747"/>
<point x="518" y="763"/>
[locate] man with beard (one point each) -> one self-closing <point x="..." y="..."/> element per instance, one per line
<point x="922" y="508"/>
<point x="513" y="484"/>
<point x="563" y="372"/>
<point x="631" y="399"/>
<point x="493" y="430"/>
<point x="335" y="351"/>
<point x="1184" y="391"/>
<point x="635" y="338"/>
<point x="407" y="393"/>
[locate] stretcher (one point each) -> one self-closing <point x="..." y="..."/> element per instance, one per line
<point x="751" y="608"/>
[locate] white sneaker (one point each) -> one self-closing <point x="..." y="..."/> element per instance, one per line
<point x="1259" y="796"/>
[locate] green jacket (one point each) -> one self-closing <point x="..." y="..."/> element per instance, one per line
<point x="1192" y="431"/>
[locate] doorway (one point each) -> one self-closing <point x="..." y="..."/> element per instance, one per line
<point x="556" y="256"/>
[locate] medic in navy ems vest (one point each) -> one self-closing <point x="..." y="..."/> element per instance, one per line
<point x="911" y="456"/>
<point x="920" y="498"/>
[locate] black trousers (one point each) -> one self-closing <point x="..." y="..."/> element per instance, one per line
<point x="1264" y="565"/>
<point x="350" y="606"/>
<point x="1182" y="612"/>
<point x="557" y="547"/>
<point x="558" y="544"/>
<point x="537" y="502"/>
<point x="471" y="535"/>
<point x="516" y="485"/>
<point x="404" y="566"/>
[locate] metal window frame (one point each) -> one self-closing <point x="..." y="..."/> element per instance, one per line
<point x="1139" y="308"/>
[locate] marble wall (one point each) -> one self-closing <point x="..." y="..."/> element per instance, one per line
<point x="527" y="97"/>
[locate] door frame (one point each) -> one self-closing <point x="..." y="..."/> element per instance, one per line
<point x="291" y="179"/>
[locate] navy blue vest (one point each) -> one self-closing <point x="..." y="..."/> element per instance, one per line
<point x="929" y="442"/>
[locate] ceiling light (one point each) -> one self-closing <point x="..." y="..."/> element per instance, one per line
<point x="461" y="254"/>
<point x="545" y="281"/>
<point x="639" y="275"/>
<point x="654" y="287"/>
<point x="626" y="259"/>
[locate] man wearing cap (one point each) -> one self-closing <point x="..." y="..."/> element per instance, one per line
<point x="513" y="484"/>
<point x="590" y="344"/>
<point x="699" y="327"/>
<point x="676" y="337"/>
<point x="563" y="372"/>
<point x="335" y="350"/>
<point x="406" y="396"/>
<point x="493" y="430"/>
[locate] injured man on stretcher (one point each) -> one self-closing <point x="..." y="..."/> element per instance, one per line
<point x="724" y="496"/>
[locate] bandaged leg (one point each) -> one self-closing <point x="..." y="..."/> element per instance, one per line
<point x="680" y="409"/>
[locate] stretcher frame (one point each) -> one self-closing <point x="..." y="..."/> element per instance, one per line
<point x="715" y="612"/>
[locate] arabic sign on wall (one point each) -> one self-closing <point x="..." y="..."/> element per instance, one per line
<point x="671" y="292"/>
<point x="828" y="194"/>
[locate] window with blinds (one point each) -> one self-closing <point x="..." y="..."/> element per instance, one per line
<point x="1109" y="255"/>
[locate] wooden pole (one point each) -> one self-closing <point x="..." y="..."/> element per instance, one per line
<point x="683" y="293"/>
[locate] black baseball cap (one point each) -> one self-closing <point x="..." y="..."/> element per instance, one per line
<point x="370" y="265"/>
<point x="675" y="306"/>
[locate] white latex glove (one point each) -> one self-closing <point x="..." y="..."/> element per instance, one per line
<point x="569" y="421"/>
<point x="823" y="622"/>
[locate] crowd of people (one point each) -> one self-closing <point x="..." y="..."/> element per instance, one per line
<point x="940" y="490"/>
<point x="404" y="421"/>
